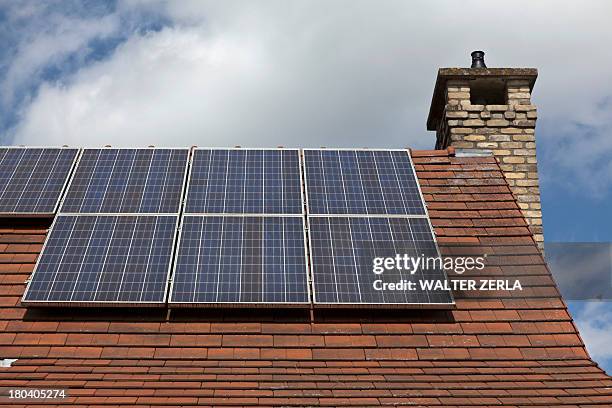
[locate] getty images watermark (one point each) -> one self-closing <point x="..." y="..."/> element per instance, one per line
<point x="581" y="270"/>
<point x="429" y="269"/>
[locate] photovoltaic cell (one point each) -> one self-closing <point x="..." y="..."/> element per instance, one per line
<point x="245" y="181"/>
<point x="127" y="181"/>
<point x="95" y="259"/>
<point x="33" y="178"/>
<point x="373" y="182"/>
<point x="343" y="250"/>
<point x="241" y="259"/>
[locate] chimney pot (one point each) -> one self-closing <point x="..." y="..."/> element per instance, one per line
<point x="478" y="59"/>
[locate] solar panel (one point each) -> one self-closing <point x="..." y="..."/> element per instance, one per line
<point x="241" y="259"/>
<point x="343" y="252"/>
<point x="127" y="181"/>
<point x="33" y="178"/>
<point x="361" y="182"/>
<point x="245" y="181"/>
<point x="104" y="260"/>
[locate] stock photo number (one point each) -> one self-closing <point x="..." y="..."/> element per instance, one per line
<point x="35" y="393"/>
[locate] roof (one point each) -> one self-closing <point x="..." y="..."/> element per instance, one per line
<point x="503" y="349"/>
<point x="438" y="100"/>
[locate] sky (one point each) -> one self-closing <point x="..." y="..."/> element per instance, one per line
<point x="308" y="74"/>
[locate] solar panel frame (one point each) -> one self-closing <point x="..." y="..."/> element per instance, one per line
<point x="76" y="167"/>
<point x="194" y="304"/>
<point x="300" y="169"/>
<point x="98" y="303"/>
<point x="316" y="304"/>
<point x="62" y="190"/>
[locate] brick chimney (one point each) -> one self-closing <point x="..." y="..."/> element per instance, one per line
<point x="480" y="108"/>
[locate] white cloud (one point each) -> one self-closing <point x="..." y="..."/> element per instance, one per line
<point x="68" y="35"/>
<point x="594" y="322"/>
<point x="44" y="38"/>
<point x="343" y="73"/>
<point x="580" y="148"/>
<point x="173" y="87"/>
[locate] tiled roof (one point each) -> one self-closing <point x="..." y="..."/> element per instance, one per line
<point x="506" y="348"/>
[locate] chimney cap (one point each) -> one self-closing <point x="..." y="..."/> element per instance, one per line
<point x="478" y="59"/>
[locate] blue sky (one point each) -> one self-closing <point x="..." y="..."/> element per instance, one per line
<point x="296" y="73"/>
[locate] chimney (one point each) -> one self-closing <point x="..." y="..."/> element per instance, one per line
<point x="480" y="108"/>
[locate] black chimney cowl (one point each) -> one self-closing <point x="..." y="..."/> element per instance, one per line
<point x="478" y="59"/>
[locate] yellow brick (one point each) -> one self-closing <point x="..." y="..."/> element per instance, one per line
<point x="523" y="138"/>
<point x="459" y="95"/>
<point x="513" y="159"/>
<point x="512" y="175"/>
<point x="527" y="183"/>
<point x="475" y="138"/>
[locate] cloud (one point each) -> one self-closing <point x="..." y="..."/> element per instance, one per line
<point x="581" y="149"/>
<point x="44" y="42"/>
<point x="594" y="321"/>
<point x="346" y="73"/>
<point x="593" y="260"/>
<point x="172" y="87"/>
<point x="63" y="36"/>
<point x="241" y="79"/>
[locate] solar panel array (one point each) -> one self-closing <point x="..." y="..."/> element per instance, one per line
<point x="124" y="235"/>
<point x="113" y="240"/>
<point x="366" y="205"/>
<point x="33" y="179"/>
<point x="242" y="236"/>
